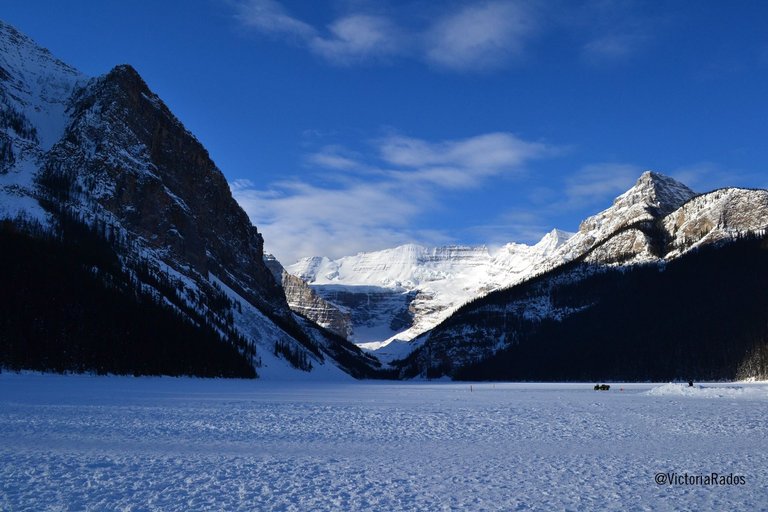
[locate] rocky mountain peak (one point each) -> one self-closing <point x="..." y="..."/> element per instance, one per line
<point x="655" y="190"/>
<point x="653" y="196"/>
<point x="146" y="171"/>
<point x="11" y="38"/>
<point x="553" y="240"/>
<point x="35" y="93"/>
<point x="26" y="64"/>
<point x="105" y="161"/>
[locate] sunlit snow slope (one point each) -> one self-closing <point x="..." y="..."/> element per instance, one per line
<point x="396" y="294"/>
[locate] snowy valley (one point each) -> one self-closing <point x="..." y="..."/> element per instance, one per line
<point x="394" y="295"/>
<point x="122" y="209"/>
<point x="310" y="294"/>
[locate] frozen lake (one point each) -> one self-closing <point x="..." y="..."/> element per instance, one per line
<point x="109" y="443"/>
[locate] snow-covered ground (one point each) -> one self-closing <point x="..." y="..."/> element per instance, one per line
<point x="121" y="443"/>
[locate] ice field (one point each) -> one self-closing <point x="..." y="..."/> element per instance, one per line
<point x="122" y="443"/>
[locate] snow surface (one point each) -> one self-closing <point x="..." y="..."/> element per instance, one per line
<point x="261" y="331"/>
<point x="123" y="443"/>
<point x="711" y="391"/>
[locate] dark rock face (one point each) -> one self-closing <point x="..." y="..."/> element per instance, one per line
<point x="159" y="182"/>
<point x="304" y="301"/>
<point x="101" y="167"/>
<point x="368" y="305"/>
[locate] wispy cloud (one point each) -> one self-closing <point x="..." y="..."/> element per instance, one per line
<point x="579" y="194"/>
<point x="479" y="36"/>
<point x="350" y="39"/>
<point x="374" y="202"/>
<point x="463" y="37"/>
<point x="611" y="48"/>
<point x="485" y="153"/>
<point x="707" y="176"/>
<point x="614" y="31"/>
<point x="300" y="219"/>
<point x="597" y="183"/>
<point x="358" y="38"/>
<point x="270" y="17"/>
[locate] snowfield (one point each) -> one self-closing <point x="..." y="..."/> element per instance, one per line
<point x="122" y="443"/>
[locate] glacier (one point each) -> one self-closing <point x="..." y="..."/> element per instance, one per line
<point x="394" y="295"/>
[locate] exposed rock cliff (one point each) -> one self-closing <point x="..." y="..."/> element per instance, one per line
<point x="106" y="154"/>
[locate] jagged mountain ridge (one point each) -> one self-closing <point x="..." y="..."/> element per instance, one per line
<point x="396" y="294"/>
<point x="717" y="216"/>
<point x="411" y="289"/>
<point x="656" y="223"/>
<point x="108" y="154"/>
<point x="606" y="235"/>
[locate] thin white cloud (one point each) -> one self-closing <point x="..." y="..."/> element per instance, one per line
<point x="614" y="31"/>
<point x="357" y="38"/>
<point x="469" y="36"/>
<point x="512" y="226"/>
<point x="348" y="40"/>
<point x="270" y="17"/>
<point x="612" y="48"/>
<point x="334" y="157"/>
<point x="479" y="36"/>
<point x="597" y="183"/>
<point x="609" y="47"/>
<point x="375" y="203"/>
<point x="299" y="219"/>
<point x="483" y="153"/>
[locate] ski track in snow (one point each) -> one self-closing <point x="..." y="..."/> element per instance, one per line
<point x="122" y="443"/>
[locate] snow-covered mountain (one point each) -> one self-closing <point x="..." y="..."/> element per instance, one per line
<point x="395" y="295"/>
<point x="617" y="262"/>
<point x="107" y="156"/>
<point x="718" y="216"/>
<point x="399" y="293"/>
<point x="36" y="95"/>
<point x="103" y="184"/>
<point x="621" y="232"/>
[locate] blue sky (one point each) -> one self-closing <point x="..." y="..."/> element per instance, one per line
<point x="354" y="125"/>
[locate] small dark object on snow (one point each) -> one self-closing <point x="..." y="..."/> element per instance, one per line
<point x="602" y="387"/>
<point x="690" y="383"/>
